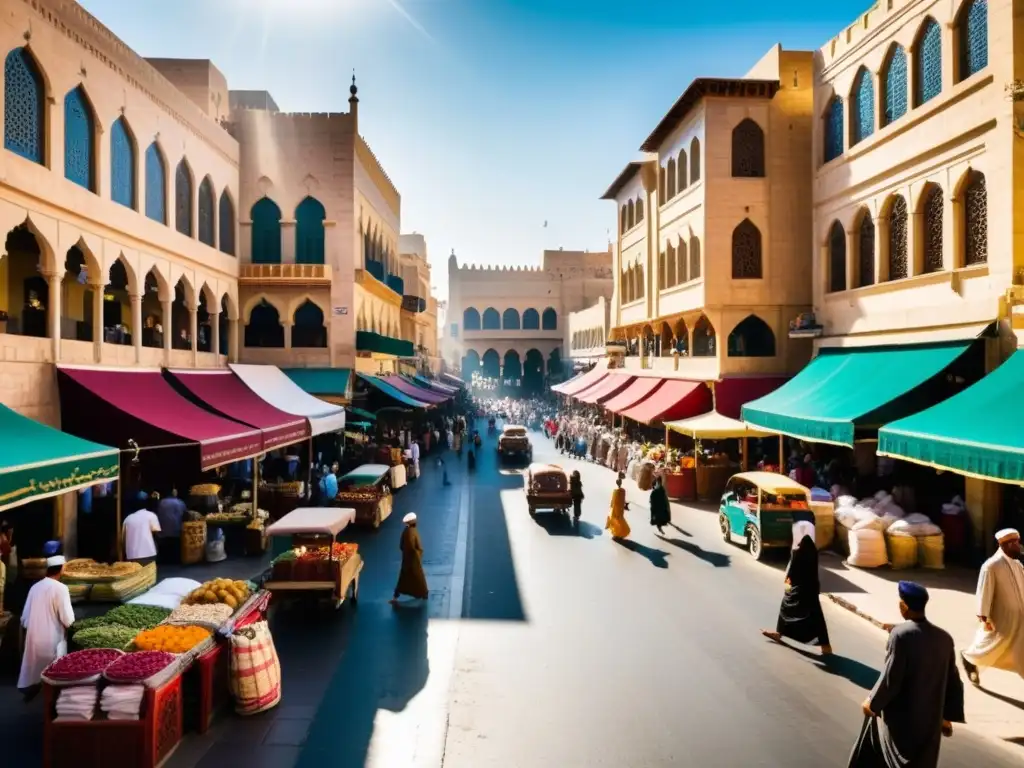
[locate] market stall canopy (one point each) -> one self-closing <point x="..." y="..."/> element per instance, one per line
<point x="455" y="380"/>
<point x="584" y="381"/>
<point x="362" y="414"/>
<point x="634" y="393"/>
<point x="333" y="382"/>
<point x="313" y="520"/>
<point x="417" y="393"/>
<point x="425" y="382"/>
<point x="559" y="387"/>
<point x="605" y="389"/>
<point x="395" y="394"/>
<point x="714" y="426"/>
<point x="978" y="432"/>
<point x="137" y="404"/>
<point x="222" y="392"/>
<point x="367" y="474"/>
<point x="675" y="399"/>
<point x="37" y="461"/>
<point x="733" y="392"/>
<point x="271" y="384"/>
<point x="426" y="386"/>
<point x="843" y="388"/>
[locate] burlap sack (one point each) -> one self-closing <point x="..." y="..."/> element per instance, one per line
<point x="255" y="669"/>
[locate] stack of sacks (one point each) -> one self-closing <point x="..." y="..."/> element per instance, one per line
<point x="867" y="548"/>
<point x="168" y="594"/>
<point x="76" y="703"/>
<point x="916" y="525"/>
<point x="122" y="702"/>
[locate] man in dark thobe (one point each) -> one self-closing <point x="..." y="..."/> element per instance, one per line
<point x="918" y="696"/>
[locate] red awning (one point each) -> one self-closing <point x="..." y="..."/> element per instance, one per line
<point x="733" y="392"/>
<point x="634" y="393"/>
<point x="675" y="399"/>
<point x="587" y="380"/>
<point x="605" y="389"/>
<point x="124" y="405"/>
<point x="222" y="392"/>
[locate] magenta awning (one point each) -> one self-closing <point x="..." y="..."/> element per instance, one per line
<point x="417" y="393"/>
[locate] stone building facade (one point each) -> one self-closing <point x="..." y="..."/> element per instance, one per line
<point x="586" y="333"/>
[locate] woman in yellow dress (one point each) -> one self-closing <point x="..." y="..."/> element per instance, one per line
<point x="616" y="522"/>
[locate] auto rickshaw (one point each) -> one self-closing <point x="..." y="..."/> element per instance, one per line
<point x="758" y="509"/>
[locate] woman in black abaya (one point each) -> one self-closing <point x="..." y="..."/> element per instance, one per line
<point x="800" y="616"/>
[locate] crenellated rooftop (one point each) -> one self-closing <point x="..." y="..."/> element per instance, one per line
<point x="861" y="29"/>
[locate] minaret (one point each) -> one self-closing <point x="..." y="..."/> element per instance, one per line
<point x="353" y="103"/>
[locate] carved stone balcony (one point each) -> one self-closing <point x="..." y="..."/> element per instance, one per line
<point x="284" y="274"/>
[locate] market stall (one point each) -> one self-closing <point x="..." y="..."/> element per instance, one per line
<point x="367" y="490"/>
<point x="316" y="563"/>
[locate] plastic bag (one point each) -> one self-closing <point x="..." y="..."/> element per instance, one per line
<point x="215" y="551"/>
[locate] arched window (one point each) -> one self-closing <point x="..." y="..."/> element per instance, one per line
<point x="183" y="199"/>
<point x="834" y="129"/>
<point x="975" y="207"/>
<point x="703" y="338"/>
<point x="836" y="257"/>
<point x="862" y="108"/>
<point x="156" y="184"/>
<point x="549" y="320"/>
<point x="748" y="150"/>
<point x="866" y="250"/>
<point x="894" y="79"/>
<point x="512" y="370"/>
<point x="79" y="140"/>
<point x="308" y="330"/>
<point x="746" y="251"/>
<point x="682" y="171"/>
<point x="510" y="320"/>
<point x="972" y="38"/>
<point x="264" y="328"/>
<point x="928" y="63"/>
<point x="309" y="231"/>
<point x="898" y="239"/>
<point x="681" y="263"/>
<point x="226" y="222"/>
<point x="931" y="207"/>
<point x="470" y="364"/>
<point x="694" y="258"/>
<point x="752" y="337"/>
<point x="122" y="164"/>
<point x="266" y="232"/>
<point x="631" y="216"/>
<point x="491" y="365"/>
<point x="663" y="270"/>
<point x="670" y="266"/>
<point x="205" y="212"/>
<point x="492" y="320"/>
<point x="670" y="178"/>
<point x="470" y="319"/>
<point x="639" y="210"/>
<point x="695" y="160"/>
<point x="625" y="218"/>
<point x="24" y="121"/>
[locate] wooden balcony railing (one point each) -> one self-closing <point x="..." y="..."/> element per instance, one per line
<point x="284" y="274"/>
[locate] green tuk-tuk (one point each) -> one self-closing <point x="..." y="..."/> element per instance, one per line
<point x="758" y="509"/>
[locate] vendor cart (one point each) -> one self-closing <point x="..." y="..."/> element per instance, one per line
<point x="333" y="578"/>
<point x="367" y="490"/>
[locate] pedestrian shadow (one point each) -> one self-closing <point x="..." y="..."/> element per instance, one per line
<point x="861" y="675"/>
<point x="656" y="556"/>
<point x="717" y="559"/>
<point x="563" y="525"/>
<point x="1003" y="698"/>
<point x="685" y="533"/>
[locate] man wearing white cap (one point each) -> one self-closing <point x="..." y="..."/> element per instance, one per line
<point x="46" y="618"/>
<point x="999" y="641"/>
<point x="412" y="581"/>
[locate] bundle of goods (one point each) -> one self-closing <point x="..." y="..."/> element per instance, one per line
<point x="171" y="638"/>
<point x="122" y="702"/>
<point x="137" y="667"/>
<point x="80" y="667"/>
<point x="931" y="551"/>
<point x="204" y="498"/>
<point x="210" y="616"/>
<point x="125" y="589"/>
<point x="86" y="571"/>
<point x="78" y="703"/>
<point x="867" y="548"/>
<point x="231" y="593"/>
<point x="193" y="540"/>
<point x="104" y="636"/>
<point x="645" y="478"/>
<point x="312" y="563"/>
<point x="907" y="536"/>
<point x="79" y="592"/>
<point x="167" y="594"/>
<point x="255" y="669"/>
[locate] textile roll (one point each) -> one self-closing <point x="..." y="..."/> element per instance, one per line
<point x="902" y="551"/>
<point x="255" y="670"/>
<point x="193" y="542"/>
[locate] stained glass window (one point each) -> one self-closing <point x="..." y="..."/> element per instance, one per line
<point x="205" y="212"/>
<point x="746" y="251"/>
<point x="862" y="121"/>
<point x="23" y="106"/>
<point x="895" y="86"/>
<point x="932" y="210"/>
<point x="928" y="63"/>
<point x="973" y="38"/>
<point x="156" y="185"/>
<point x="837" y="257"/>
<point x="975" y="220"/>
<point x="309" y="231"/>
<point x="694" y="258"/>
<point x="695" y="161"/>
<point x="226" y="222"/>
<point x="748" y="150"/>
<point x="266" y="232"/>
<point x="122" y="164"/>
<point x="183" y="199"/>
<point x="834" y="129"/>
<point x="866" y="251"/>
<point x="79" y="133"/>
<point x="898" y="239"/>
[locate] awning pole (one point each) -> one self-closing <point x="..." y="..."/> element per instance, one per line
<point x="782" y="459"/>
<point x="255" y="483"/>
<point x="666" y="436"/>
<point x="746" y="455"/>
<point x="117" y="515"/>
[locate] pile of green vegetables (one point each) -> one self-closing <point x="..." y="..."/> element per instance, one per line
<point x="117" y="627"/>
<point x="109" y="636"/>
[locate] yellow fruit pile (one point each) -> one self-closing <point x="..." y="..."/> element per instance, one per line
<point x="171" y="638"/>
<point x="232" y="593"/>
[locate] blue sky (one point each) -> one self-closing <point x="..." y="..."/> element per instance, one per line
<point x="492" y="117"/>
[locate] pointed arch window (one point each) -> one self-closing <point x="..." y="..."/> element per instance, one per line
<point x="752" y="337"/>
<point x="972" y="38"/>
<point x="895" y="83"/>
<point x="156" y="184"/>
<point x="836" y="257"/>
<point x="24" y="119"/>
<point x="205" y="212"/>
<point x="266" y="232"/>
<point x="639" y="210"/>
<point x="866" y="251"/>
<point x="670" y="266"/>
<point x="122" y="164"/>
<point x="746" y="251"/>
<point x="625" y="218"/>
<point x="226" y="224"/>
<point x="748" y="150"/>
<point x="695" y="160"/>
<point x="932" y="209"/>
<point x="681" y="262"/>
<point x="898" y="239"/>
<point x="928" y="63"/>
<point x="183" y="199"/>
<point x="309" y="231"/>
<point x="694" y="258"/>
<point x="631" y="215"/>
<point x="663" y="269"/>
<point x="671" y="178"/>
<point x="682" y="170"/>
<point x="834" y="129"/>
<point x="862" y="117"/>
<point x="79" y="140"/>
<point x="975" y="220"/>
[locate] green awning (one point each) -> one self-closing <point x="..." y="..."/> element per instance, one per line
<point x="37" y="461"/>
<point x="321" y="381"/>
<point x="362" y="414"/>
<point x="978" y="432"/>
<point x="842" y="389"/>
<point x="368" y="341"/>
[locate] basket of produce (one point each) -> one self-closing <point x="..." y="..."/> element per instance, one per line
<point x="193" y="541"/>
<point x="105" y="636"/>
<point x="211" y="616"/>
<point x="90" y="572"/>
<point x="171" y="638"/>
<point x="137" y="616"/>
<point x="902" y="550"/>
<point x="138" y="666"/>
<point x="80" y="667"/>
<point x="227" y="591"/>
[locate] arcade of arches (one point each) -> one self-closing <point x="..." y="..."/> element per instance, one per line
<point x="302" y="328"/>
<point x="527" y="374"/>
<point x="751" y="337"/>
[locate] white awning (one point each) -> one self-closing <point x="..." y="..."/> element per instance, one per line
<point x="274" y="386"/>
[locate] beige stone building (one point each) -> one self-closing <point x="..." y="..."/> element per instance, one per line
<point x="419" y="306"/>
<point x="587" y="332"/>
<point x="510" y="324"/>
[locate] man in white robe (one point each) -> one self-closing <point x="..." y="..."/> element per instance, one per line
<point x="46" y="618"/>
<point x="999" y="641"/>
<point x="415" y="452"/>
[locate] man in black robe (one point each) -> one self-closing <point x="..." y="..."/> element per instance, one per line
<point x="918" y="696"/>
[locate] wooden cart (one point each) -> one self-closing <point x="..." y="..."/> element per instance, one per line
<point x="367" y="490"/>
